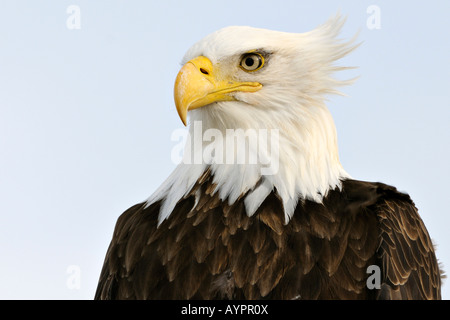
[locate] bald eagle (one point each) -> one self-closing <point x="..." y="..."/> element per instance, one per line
<point x="277" y="217"/>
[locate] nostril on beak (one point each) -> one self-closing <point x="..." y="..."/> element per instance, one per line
<point x="204" y="71"/>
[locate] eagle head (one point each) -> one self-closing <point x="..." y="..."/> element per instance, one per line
<point x="265" y="73"/>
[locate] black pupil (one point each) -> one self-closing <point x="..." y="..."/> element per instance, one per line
<point x="249" y="61"/>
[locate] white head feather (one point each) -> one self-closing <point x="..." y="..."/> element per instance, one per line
<point x="296" y="78"/>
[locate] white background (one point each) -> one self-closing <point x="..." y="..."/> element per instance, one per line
<point x="86" y="117"/>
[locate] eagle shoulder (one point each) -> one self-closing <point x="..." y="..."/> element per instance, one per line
<point x="410" y="269"/>
<point x="132" y="230"/>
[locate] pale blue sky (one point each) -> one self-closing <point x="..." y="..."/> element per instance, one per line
<point x="86" y="117"/>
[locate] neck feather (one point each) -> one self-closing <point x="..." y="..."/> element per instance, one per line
<point x="297" y="156"/>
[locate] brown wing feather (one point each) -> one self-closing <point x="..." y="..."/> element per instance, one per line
<point x="410" y="268"/>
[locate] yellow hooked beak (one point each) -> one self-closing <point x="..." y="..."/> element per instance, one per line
<point x="199" y="83"/>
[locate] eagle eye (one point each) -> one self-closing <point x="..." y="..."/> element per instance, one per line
<point x="252" y="61"/>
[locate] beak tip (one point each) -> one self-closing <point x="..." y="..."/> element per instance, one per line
<point x="182" y="114"/>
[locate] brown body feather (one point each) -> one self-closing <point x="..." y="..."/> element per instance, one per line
<point x="211" y="250"/>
